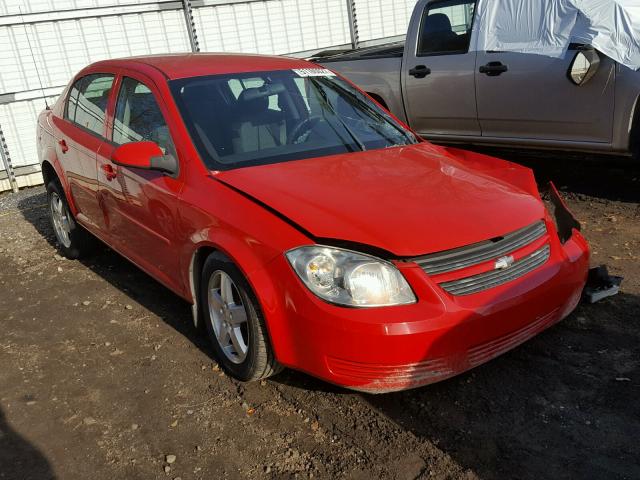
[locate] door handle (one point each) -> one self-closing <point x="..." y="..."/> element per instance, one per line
<point x="63" y="146"/>
<point x="493" y="69"/>
<point x="420" y="71"/>
<point x="109" y="171"/>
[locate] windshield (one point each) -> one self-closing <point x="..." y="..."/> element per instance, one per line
<point x="267" y="117"/>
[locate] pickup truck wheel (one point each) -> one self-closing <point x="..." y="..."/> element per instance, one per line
<point x="73" y="240"/>
<point x="234" y="322"/>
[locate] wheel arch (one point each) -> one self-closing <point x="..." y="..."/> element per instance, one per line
<point x="196" y="263"/>
<point x="251" y="268"/>
<point x="634" y="130"/>
<point x="260" y="282"/>
<point x="51" y="169"/>
<point x="48" y="172"/>
<point x="379" y="99"/>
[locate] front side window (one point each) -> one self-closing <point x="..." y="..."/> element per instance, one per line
<point x="268" y="117"/>
<point x="87" y="102"/>
<point x="446" y="27"/>
<point x="138" y="117"/>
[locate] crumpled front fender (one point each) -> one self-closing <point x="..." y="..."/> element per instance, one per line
<point x="503" y="170"/>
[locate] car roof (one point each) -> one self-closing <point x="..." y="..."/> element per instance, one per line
<point x="183" y="65"/>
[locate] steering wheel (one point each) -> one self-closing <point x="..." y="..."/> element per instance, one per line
<point x="301" y="127"/>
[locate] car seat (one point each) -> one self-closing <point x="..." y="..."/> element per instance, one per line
<point x="438" y="35"/>
<point x="257" y="126"/>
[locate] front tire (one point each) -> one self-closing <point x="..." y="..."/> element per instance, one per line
<point x="234" y="322"/>
<point x="73" y="240"/>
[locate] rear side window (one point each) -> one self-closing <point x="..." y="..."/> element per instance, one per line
<point x="87" y="102"/>
<point x="446" y="27"/>
<point x="138" y="117"/>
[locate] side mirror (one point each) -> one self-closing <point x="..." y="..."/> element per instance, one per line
<point x="146" y="155"/>
<point x="584" y="66"/>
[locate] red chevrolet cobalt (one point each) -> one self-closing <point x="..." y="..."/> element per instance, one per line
<point x="307" y="226"/>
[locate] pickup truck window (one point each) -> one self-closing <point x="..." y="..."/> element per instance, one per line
<point x="87" y="102"/>
<point x="267" y="117"/>
<point x="445" y="27"/>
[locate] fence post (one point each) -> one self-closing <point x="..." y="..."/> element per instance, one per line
<point x="6" y="161"/>
<point x="191" y="25"/>
<point x="353" y="23"/>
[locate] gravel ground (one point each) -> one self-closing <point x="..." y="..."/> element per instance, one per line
<point x="102" y="376"/>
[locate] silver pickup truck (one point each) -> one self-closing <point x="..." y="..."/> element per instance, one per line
<point x="450" y="93"/>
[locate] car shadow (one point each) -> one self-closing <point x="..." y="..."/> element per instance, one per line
<point x="19" y="459"/>
<point x="563" y="405"/>
<point x="123" y="275"/>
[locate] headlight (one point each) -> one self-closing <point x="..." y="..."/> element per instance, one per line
<point x="349" y="278"/>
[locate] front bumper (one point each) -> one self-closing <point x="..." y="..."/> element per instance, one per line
<point x="396" y="348"/>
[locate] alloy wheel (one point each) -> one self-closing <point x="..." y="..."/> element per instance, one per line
<point x="60" y="217"/>
<point x="228" y="316"/>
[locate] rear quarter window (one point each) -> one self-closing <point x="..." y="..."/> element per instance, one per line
<point x="87" y="102"/>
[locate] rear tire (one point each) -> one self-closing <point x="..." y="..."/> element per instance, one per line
<point x="234" y="322"/>
<point x="73" y="240"/>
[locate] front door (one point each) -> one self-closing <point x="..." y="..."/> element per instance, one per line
<point x="140" y="206"/>
<point x="438" y="70"/>
<point x="533" y="98"/>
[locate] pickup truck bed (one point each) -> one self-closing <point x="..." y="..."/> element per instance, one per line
<point x="388" y="50"/>
<point x="359" y="66"/>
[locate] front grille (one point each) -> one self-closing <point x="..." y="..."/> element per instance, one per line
<point x="451" y="260"/>
<point x="484" y="281"/>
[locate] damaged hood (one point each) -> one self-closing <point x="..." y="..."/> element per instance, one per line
<point x="405" y="200"/>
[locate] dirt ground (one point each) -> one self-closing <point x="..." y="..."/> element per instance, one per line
<point x="102" y="376"/>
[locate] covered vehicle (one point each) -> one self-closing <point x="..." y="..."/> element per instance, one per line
<point x="307" y="226"/>
<point x="557" y="74"/>
<point x="549" y="27"/>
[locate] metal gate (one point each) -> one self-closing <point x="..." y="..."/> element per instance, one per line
<point x="62" y="40"/>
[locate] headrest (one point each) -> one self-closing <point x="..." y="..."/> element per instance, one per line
<point x="437" y="22"/>
<point x="252" y="100"/>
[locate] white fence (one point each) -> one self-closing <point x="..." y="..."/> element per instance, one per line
<point x="63" y="36"/>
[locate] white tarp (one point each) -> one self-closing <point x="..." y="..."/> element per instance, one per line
<point x="547" y="27"/>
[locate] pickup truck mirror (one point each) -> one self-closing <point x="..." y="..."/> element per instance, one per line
<point x="147" y="155"/>
<point x="584" y="66"/>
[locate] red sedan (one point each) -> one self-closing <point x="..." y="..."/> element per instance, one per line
<point x="307" y="226"/>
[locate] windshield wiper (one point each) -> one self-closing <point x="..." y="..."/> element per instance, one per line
<point x="374" y="111"/>
<point x="325" y="100"/>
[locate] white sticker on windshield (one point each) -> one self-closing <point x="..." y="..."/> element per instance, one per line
<point x="314" y="72"/>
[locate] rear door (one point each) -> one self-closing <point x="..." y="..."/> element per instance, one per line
<point x="533" y="98"/>
<point x="438" y="70"/>
<point x="81" y="133"/>
<point x="140" y="206"/>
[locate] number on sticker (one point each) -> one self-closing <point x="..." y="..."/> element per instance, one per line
<point x="314" y="72"/>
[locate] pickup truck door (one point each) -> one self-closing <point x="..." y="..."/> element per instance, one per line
<point x="527" y="96"/>
<point x="438" y="69"/>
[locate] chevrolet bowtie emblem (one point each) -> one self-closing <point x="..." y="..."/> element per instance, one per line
<point x="504" y="262"/>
